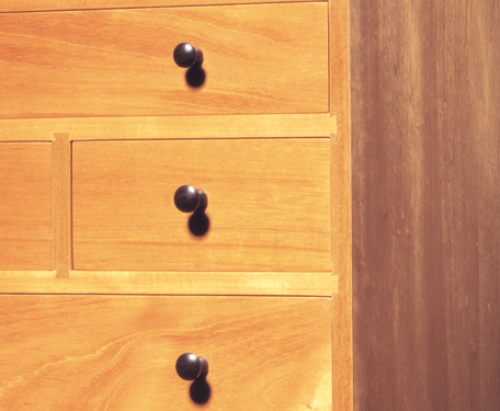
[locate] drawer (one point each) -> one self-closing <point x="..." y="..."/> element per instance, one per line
<point x="93" y="353"/>
<point x="268" y="205"/>
<point x="269" y="58"/>
<point x="46" y="5"/>
<point x="26" y="217"/>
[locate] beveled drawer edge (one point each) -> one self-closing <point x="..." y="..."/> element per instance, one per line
<point x="170" y="283"/>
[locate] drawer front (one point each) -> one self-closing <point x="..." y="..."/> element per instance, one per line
<point x="26" y="217"/>
<point x="268" y="205"/>
<point x="88" y="353"/>
<point x="45" y="5"/>
<point x="270" y="58"/>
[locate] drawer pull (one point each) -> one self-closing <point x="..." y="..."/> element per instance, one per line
<point x="188" y="199"/>
<point x="185" y="55"/>
<point x="191" y="367"/>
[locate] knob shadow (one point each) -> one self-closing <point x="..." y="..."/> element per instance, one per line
<point x="196" y="76"/>
<point x="200" y="391"/>
<point x="199" y="223"/>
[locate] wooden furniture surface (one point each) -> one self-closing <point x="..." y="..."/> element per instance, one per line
<point x="58" y="5"/>
<point x="268" y="58"/>
<point x="117" y="352"/>
<point x="26" y="212"/>
<point x="266" y="197"/>
<point x="126" y="288"/>
<point x="426" y="204"/>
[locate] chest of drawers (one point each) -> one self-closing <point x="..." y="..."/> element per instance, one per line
<point x="104" y="282"/>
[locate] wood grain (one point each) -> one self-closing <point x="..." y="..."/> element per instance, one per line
<point x="341" y="201"/>
<point x="170" y="283"/>
<point x="45" y="5"/>
<point x="269" y="205"/>
<point x="258" y="59"/>
<point x="26" y="221"/>
<point x="426" y="201"/>
<point x="116" y="352"/>
<point x="203" y="126"/>
<point x="119" y="353"/>
<point x="61" y="160"/>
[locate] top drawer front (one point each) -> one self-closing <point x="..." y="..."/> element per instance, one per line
<point x="270" y="58"/>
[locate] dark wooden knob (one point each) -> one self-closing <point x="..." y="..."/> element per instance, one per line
<point x="190" y="367"/>
<point x="188" y="199"/>
<point x="185" y="55"/>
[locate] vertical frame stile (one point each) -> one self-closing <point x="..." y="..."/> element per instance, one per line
<point x="341" y="206"/>
<point x="61" y="153"/>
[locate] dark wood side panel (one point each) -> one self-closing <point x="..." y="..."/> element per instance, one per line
<point x="426" y="204"/>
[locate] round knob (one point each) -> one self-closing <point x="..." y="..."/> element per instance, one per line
<point x="185" y="55"/>
<point x="191" y="367"/>
<point x="188" y="199"/>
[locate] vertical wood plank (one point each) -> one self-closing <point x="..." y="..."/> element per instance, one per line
<point x="426" y="201"/>
<point x="62" y="204"/>
<point x="341" y="206"/>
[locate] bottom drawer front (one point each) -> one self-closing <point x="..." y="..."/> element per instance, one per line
<point x="118" y="353"/>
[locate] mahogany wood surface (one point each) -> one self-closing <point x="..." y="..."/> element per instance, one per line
<point x="268" y="205"/>
<point x="96" y="353"/>
<point x="268" y="58"/>
<point x="426" y="204"/>
<point x="26" y="221"/>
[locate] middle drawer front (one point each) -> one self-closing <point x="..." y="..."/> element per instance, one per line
<point x="270" y="58"/>
<point x="268" y="205"/>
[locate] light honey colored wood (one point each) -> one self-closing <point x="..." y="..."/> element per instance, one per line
<point x="136" y="107"/>
<point x="341" y="192"/>
<point x="268" y="58"/>
<point x="45" y="5"/>
<point x="26" y="223"/>
<point x="61" y="161"/>
<point x="268" y="205"/>
<point x="98" y="353"/>
<point x="170" y="283"/>
<point x="203" y="126"/>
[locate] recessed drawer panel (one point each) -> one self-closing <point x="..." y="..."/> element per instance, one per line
<point x="270" y="58"/>
<point x="268" y="205"/>
<point x="26" y="215"/>
<point x="88" y="353"/>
